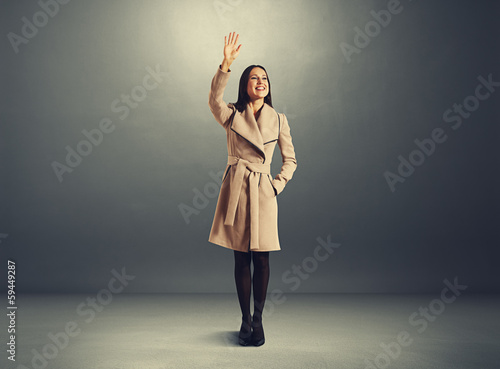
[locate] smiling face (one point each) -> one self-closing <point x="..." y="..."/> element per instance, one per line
<point x="258" y="86"/>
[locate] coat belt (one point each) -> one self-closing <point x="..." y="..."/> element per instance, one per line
<point x="235" y="190"/>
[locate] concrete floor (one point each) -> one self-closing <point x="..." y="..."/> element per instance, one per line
<point x="302" y="331"/>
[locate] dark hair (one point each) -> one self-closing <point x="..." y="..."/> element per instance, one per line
<point x="243" y="98"/>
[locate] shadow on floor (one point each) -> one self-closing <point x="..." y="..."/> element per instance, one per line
<point x="225" y="338"/>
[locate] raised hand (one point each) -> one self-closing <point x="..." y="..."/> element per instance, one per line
<point x="231" y="52"/>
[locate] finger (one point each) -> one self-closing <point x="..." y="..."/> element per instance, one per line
<point x="225" y="40"/>
<point x="236" y="41"/>
<point x="232" y="37"/>
<point x="238" y="49"/>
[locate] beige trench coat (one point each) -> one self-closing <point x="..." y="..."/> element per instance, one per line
<point x="246" y="216"/>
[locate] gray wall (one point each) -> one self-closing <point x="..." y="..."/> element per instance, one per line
<point x="351" y="118"/>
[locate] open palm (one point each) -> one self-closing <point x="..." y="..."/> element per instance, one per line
<point x="231" y="52"/>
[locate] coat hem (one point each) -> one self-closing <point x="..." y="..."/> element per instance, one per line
<point x="222" y="244"/>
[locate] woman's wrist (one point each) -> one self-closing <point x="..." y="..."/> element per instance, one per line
<point x="226" y="64"/>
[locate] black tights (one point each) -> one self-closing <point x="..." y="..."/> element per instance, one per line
<point x="243" y="279"/>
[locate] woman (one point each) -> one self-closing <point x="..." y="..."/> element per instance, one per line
<point x="246" y="216"/>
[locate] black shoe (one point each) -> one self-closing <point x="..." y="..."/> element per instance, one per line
<point x="258" y="338"/>
<point x="245" y="335"/>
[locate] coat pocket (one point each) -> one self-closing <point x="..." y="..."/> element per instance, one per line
<point x="271" y="183"/>
<point x="225" y="174"/>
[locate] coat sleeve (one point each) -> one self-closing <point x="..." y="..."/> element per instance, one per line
<point x="288" y="155"/>
<point x="220" y="110"/>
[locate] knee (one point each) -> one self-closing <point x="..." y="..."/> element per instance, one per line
<point x="241" y="259"/>
<point x="261" y="260"/>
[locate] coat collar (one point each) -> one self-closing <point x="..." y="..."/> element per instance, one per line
<point x="258" y="132"/>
